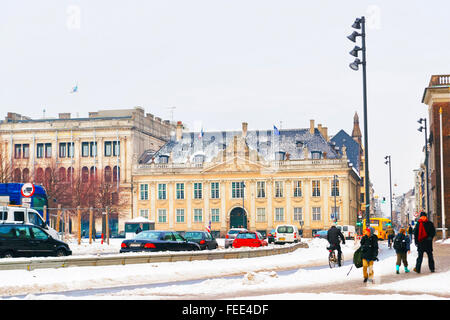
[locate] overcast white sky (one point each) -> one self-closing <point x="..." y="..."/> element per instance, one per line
<point x="223" y="62"/>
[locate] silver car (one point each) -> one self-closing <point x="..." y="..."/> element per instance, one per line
<point x="231" y="235"/>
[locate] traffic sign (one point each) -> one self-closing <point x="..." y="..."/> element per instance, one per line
<point x="27" y="190"/>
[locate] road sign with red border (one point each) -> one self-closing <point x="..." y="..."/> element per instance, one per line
<point x="27" y="190"/>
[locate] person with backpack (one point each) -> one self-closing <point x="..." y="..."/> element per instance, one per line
<point x="424" y="233"/>
<point x="390" y="234"/>
<point x="402" y="247"/>
<point x="333" y="236"/>
<point x="369" y="253"/>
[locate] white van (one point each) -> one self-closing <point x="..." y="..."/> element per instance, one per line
<point x="348" y="231"/>
<point x="13" y="214"/>
<point x="286" y="233"/>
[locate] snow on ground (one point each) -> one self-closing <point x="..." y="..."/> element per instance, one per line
<point x="254" y="282"/>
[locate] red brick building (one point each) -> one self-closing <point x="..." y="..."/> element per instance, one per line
<point x="437" y="97"/>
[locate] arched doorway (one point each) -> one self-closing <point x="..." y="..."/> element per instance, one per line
<point x="238" y="218"/>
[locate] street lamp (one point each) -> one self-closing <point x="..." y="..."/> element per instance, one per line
<point x="360" y="23"/>
<point x="243" y="210"/>
<point x="424" y="127"/>
<point x="335" y="191"/>
<point x="388" y="161"/>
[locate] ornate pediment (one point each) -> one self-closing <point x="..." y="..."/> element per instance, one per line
<point x="237" y="164"/>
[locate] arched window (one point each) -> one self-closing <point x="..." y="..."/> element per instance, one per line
<point x="39" y="176"/>
<point x="116" y="174"/>
<point x="69" y="174"/>
<point x="107" y="174"/>
<point x="84" y="174"/>
<point x="93" y="174"/>
<point x="48" y="175"/>
<point x="62" y="174"/>
<point x="17" y="176"/>
<point x="26" y="175"/>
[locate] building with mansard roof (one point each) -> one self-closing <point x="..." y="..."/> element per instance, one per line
<point x="256" y="179"/>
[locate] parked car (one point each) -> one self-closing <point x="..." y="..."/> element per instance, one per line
<point x="249" y="239"/>
<point x="203" y="238"/>
<point x="28" y="240"/>
<point x="150" y="241"/>
<point x="286" y="233"/>
<point x="322" y="234"/>
<point x="271" y="236"/>
<point x="231" y="235"/>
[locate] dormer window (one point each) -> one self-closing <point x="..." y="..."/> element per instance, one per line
<point x="299" y="144"/>
<point x="199" y="158"/>
<point x="280" y="155"/>
<point x="316" y="155"/>
<point x="163" y="159"/>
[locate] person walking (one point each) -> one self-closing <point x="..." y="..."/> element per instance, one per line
<point x="333" y="236"/>
<point x="390" y="234"/>
<point x="424" y="233"/>
<point x="402" y="248"/>
<point x="369" y="253"/>
<point x="410" y="233"/>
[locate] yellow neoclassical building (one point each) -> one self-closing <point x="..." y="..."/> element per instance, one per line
<point x="255" y="179"/>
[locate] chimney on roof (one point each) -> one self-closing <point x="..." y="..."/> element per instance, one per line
<point x="179" y="131"/>
<point x="65" y="115"/>
<point x="244" y="129"/>
<point x="325" y="133"/>
<point x="311" y="126"/>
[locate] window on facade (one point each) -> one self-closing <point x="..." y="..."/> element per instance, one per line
<point x="298" y="214"/>
<point x="335" y="188"/>
<point x="143" y="213"/>
<point x="39" y="150"/>
<point x="48" y="150"/>
<point x="93" y="149"/>
<point x="361" y="198"/>
<point x="108" y="148"/>
<point x="108" y="174"/>
<point x="237" y="190"/>
<point x="180" y="191"/>
<point x="17" y="175"/>
<point x="316" y="216"/>
<point x="215" y="215"/>
<point x="297" y="188"/>
<point x="280" y="155"/>
<point x="116" y="148"/>
<point x="199" y="158"/>
<point x="163" y="159"/>
<point x="180" y="215"/>
<point x="26" y="151"/>
<point x="215" y="192"/>
<point x="261" y="189"/>
<point x="162" y="215"/>
<point x="198" y="190"/>
<point x="116" y="174"/>
<point x="278" y="189"/>
<point x="198" y="215"/>
<point x="162" y="191"/>
<point x="17" y="151"/>
<point x="336" y="213"/>
<point x="316" y="188"/>
<point x="279" y="214"/>
<point x="261" y="214"/>
<point x="62" y="150"/>
<point x="85" y="149"/>
<point x="62" y="174"/>
<point x="143" y="191"/>
<point x="84" y="174"/>
<point x="26" y="175"/>
<point x="70" y="149"/>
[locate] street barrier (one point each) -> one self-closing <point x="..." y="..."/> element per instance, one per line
<point x="134" y="258"/>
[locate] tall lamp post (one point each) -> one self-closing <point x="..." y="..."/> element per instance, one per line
<point x="334" y="192"/>
<point x="388" y="161"/>
<point x="424" y="127"/>
<point x="360" y="23"/>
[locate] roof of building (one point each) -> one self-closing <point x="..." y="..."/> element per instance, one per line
<point x="341" y="139"/>
<point x="291" y="143"/>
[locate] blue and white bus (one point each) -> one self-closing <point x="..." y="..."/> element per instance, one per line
<point x="37" y="201"/>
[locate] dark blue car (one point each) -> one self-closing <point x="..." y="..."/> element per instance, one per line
<point x="152" y="240"/>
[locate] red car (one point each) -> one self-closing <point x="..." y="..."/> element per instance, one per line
<point x="249" y="239"/>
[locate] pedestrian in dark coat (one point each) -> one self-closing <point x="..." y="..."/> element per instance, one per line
<point x="402" y="248"/>
<point x="369" y="253"/>
<point x="410" y="233"/>
<point x="424" y="233"/>
<point x="333" y="236"/>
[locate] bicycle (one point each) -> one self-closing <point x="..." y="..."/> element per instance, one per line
<point x="333" y="259"/>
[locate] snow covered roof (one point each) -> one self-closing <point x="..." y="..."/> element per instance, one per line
<point x="266" y="143"/>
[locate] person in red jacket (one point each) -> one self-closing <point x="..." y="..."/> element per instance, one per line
<point x="424" y="233"/>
